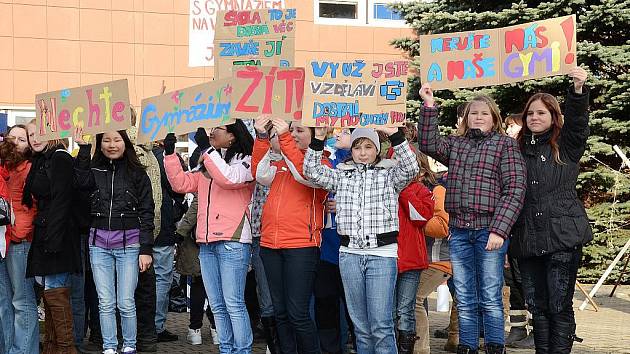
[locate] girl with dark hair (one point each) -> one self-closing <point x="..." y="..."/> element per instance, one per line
<point x="19" y="318"/>
<point x="487" y="184"/>
<point x="121" y="232"/>
<point x="56" y="250"/>
<point x="223" y="181"/>
<point x="553" y="226"/>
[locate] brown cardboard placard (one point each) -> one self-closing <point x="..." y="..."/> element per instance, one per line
<point x="278" y="91"/>
<point x="355" y="93"/>
<point x="267" y="51"/>
<point x="97" y="108"/>
<point x="250" y="24"/>
<point x="182" y="111"/>
<point x="498" y="56"/>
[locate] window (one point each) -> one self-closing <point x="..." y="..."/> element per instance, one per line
<point x="383" y="12"/>
<point x="347" y="10"/>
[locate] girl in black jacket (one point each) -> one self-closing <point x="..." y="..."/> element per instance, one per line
<point x="56" y="249"/>
<point x="553" y="226"/>
<point x="121" y="233"/>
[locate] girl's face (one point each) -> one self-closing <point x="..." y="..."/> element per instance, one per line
<point x="19" y="138"/>
<point x="364" y="152"/>
<point x="480" y="117"/>
<point x="220" y="138"/>
<point x="538" y="117"/>
<point x="513" y="129"/>
<point x="112" y="145"/>
<point x="301" y="135"/>
<point x="344" y="139"/>
<point x="36" y="145"/>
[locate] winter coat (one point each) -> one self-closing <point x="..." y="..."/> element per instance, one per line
<point x="5" y="231"/>
<point x="56" y="246"/>
<point x="224" y="191"/>
<point x="329" y="250"/>
<point x="22" y="228"/>
<point x="486" y="178"/>
<point x="121" y="197"/>
<point x="415" y="209"/>
<point x="293" y="215"/>
<point x="436" y="233"/>
<point x="366" y="195"/>
<point x="261" y="191"/>
<point x="187" y="255"/>
<point x="172" y="206"/>
<point x="553" y="218"/>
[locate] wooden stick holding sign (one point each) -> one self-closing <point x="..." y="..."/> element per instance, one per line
<point x="96" y="108"/>
<point x="355" y="94"/>
<point x="268" y="90"/>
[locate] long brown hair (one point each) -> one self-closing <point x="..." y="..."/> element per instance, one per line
<point x="426" y="175"/>
<point x="557" y="121"/>
<point x="497" y="122"/>
<point x="10" y="156"/>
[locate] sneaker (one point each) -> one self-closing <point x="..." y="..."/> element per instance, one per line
<point x="194" y="336"/>
<point x="129" y="350"/>
<point x="166" y="336"/>
<point x="109" y="351"/>
<point x="268" y="351"/>
<point x="215" y="336"/>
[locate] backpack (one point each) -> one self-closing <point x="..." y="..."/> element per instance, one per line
<point x="6" y="212"/>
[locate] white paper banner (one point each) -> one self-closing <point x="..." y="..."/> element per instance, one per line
<point x="202" y="21"/>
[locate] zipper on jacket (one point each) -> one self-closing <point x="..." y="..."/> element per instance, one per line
<point x="111" y="199"/>
<point x="275" y="237"/>
<point x="533" y="142"/>
<point x="208" y="212"/>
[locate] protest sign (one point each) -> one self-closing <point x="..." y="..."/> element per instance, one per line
<point x="355" y="94"/>
<point x="257" y="37"/>
<point x="268" y="90"/>
<point x="182" y="111"/>
<point x="97" y="108"/>
<point x="202" y="24"/>
<point x="498" y="56"/>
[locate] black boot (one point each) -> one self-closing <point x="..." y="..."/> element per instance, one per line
<point x="464" y="349"/>
<point x="541" y="334"/>
<point x="562" y="338"/>
<point x="492" y="348"/>
<point x="271" y="334"/>
<point x="406" y="342"/>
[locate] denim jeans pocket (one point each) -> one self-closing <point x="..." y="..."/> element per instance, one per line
<point x="232" y="246"/>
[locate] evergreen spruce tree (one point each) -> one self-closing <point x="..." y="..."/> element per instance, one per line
<point x="603" y="46"/>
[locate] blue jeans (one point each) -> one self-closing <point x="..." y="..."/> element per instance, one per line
<point x="6" y="309"/>
<point x="56" y="281"/>
<point x="24" y="334"/>
<point x="478" y="279"/>
<point x="369" y="283"/>
<point x="262" y="287"/>
<point x="163" y="264"/>
<point x="115" y="274"/>
<point x="406" y="289"/>
<point x="224" y="269"/>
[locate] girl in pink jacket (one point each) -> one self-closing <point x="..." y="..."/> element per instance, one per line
<point x="224" y="183"/>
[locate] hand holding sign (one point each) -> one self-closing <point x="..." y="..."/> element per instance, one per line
<point x="579" y="78"/>
<point x="262" y="123"/>
<point x="77" y="135"/>
<point x="281" y="125"/>
<point x="426" y="93"/>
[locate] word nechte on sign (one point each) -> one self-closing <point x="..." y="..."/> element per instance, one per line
<point x="278" y="91"/>
<point x="96" y="108"/>
<point x="355" y="93"/>
<point x="203" y="23"/>
<point x="183" y="111"/>
<point x="497" y="56"/>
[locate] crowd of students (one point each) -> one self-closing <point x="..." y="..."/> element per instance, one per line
<point x="346" y="230"/>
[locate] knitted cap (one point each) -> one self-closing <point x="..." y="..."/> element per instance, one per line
<point x="367" y="133"/>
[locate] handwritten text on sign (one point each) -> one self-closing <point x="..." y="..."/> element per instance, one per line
<point x="356" y="93"/>
<point x="497" y="56"/>
<point x="260" y="37"/>
<point x="202" y="24"/>
<point x="183" y="111"/>
<point x="96" y="108"/>
<point x="268" y="90"/>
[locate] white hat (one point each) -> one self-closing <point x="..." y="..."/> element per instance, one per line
<point x="367" y="133"/>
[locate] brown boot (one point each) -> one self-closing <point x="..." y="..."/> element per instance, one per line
<point x="49" y="344"/>
<point x="453" y="332"/>
<point x="61" y="315"/>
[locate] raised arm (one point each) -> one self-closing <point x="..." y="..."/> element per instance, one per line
<point x="182" y="182"/>
<point x="429" y="139"/>
<point x="407" y="167"/>
<point x="314" y="169"/>
<point x="229" y="176"/>
<point x="575" y="130"/>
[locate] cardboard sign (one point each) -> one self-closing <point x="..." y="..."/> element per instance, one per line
<point x="268" y="90"/>
<point x="202" y="24"/>
<point x="256" y="37"/>
<point x="97" y="108"/>
<point x="499" y="56"/>
<point x="355" y="94"/>
<point x="183" y="111"/>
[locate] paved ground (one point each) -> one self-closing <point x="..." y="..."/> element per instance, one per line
<point x="606" y="331"/>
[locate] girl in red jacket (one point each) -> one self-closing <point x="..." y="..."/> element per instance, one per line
<point x="415" y="207"/>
